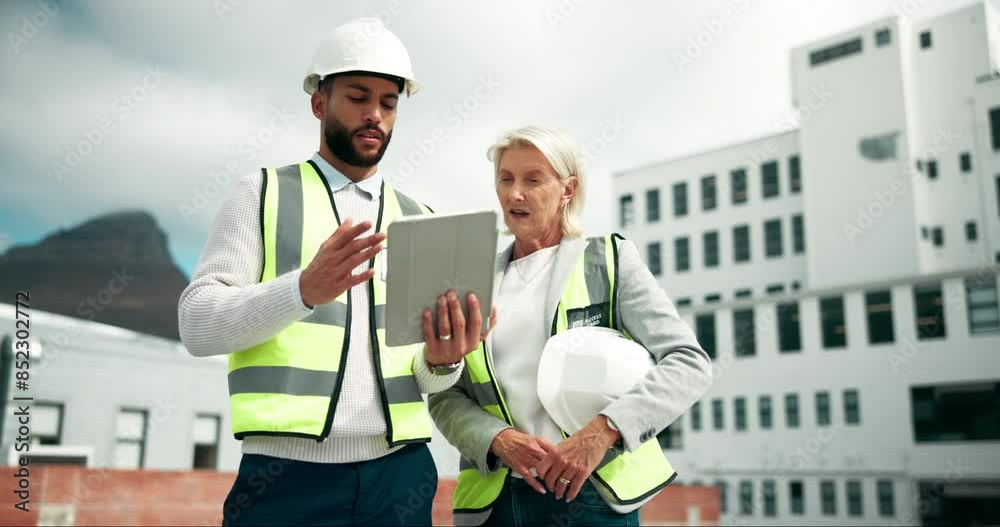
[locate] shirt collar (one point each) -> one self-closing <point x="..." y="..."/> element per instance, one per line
<point x="337" y="181"/>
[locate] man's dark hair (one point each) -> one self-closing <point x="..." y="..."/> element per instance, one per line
<point x="326" y="83"/>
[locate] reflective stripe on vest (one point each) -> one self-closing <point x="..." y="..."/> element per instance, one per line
<point x="289" y="384"/>
<point x="587" y="300"/>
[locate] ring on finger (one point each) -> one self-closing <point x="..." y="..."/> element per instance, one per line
<point x="564" y="481"/>
<point x="445" y="337"/>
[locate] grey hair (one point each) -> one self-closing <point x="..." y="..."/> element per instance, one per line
<point x="561" y="153"/>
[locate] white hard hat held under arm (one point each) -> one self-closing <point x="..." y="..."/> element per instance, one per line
<point x="364" y="44"/>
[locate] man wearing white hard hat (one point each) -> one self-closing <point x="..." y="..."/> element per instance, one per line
<point x="332" y="421"/>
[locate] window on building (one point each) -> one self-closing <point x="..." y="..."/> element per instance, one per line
<point x="741" y="243"/>
<point x="769" y="179"/>
<point x="775" y="289"/>
<point x="683" y="301"/>
<point x="997" y="184"/>
<point x="995" y="127"/>
<point x="708" y="193"/>
<point x="791" y="410"/>
<point x="746" y="497"/>
<point x="789" y="336"/>
<point x="772" y="238"/>
<point x="925" y="233"/>
<point x="795" y="285"/>
<point x="836" y="51"/>
<point x="740" y="413"/>
<point x="654" y="257"/>
<point x="798" y="235"/>
<point x="929" y="306"/>
<point x="828" y="497"/>
<point x="984" y="308"/>
<point x="696" y="416"/>
<point x="932" y="169"/>
<point x="130" y="439"/>
<point x="794" y="174"/>
<point x="738" y="185"/>
<point x="682" y="255"/>
<point x="883" y="37"/>
<point x="823" y="408"/>
<point x="672" y="437"/>
<point x="744" y="338"/>
<point x="770" y="498"/>
<point x="831" y="312"/>
<point x="680" y="199"/>
<point x="704" y="325"/>
<point x="965" y="162"/>
<point x="960" y="412"/>
<point x="206" y="441"/>
<point x="743" y="293"/>
<point x="626" y="210"/>
<point x="878" y="307"/>
<point x="938" y="236"/>
<point x="797" y="497"/>
<point x="653" y="205"/>
<point x="852" y="407"/>
<point x="713" y="297"/>
<point x="886" y="498"/>
<point x="925" y="39"/>
<point x="718" y="419"/>
<point x="855" y="506"/>
<point x="47" y="422"/>
<point x="971" y="233"/>
<point x="710" y="248"/>
<point x="723" y="496"/>
<point x="764" y="411"/>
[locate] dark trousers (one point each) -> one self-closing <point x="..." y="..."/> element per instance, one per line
<point x="520" y="505"/>
<point x="397" y="489"/>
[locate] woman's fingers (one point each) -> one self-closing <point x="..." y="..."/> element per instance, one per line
<point x="444" y="324"/>
<point x="428" y="323"/>
<point x="475" y="320"/>
<point x="575" y="487"/>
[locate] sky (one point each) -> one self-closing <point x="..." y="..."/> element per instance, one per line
<point x="164" y="106"/>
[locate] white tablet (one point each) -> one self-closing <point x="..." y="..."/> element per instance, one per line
<point x="427" y="256"/>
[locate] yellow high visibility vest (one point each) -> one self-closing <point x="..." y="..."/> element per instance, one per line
<point x="289" y="385"/>
<point x="588" y="299"/>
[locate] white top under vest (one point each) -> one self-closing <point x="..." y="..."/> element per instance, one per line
<point x="518" y="340"/>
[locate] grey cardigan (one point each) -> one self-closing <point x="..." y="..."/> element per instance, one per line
<point x="682" y="374"/>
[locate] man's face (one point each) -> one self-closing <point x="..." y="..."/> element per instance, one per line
<point x="359" y="117"/>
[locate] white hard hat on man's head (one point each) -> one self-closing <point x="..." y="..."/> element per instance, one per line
<point x="361" y="45"/>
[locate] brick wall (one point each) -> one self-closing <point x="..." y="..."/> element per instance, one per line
<point x="62" y="495"/>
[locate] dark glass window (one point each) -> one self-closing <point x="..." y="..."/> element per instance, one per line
<point x="878" y="307"/>
<point x="823" y="408"/>
<point x="932" y="169"/>
<point x="886" y="498"/>
<point x="741" y="243"/>
<point x="789" y="336"/>
<point x="740" y="413"/>
<point x="682" y="256"/>
<point x="791" y="410"/>
<point x="831" y="312"/>
<point x="705" y="328"/>
<point x="655" y="258"/>
<point x="774" y="289"/>
<point x="723" y="496"/>
<point x="769" y="179"/>
<point x="965" y="162"/>
<point x="626" y="210"/>
<point x="718" y="418"/>
<point x="708" y="193"/>
<point x="744" y="338"/>
<point x="653" y="205"/>
<point x="680" y="199"/>
<point x="883" y="37"/>
<point x="743" y="293"/>
<point x="738" y="185"/>
<point x="836" y="51"/>
<point x="956" y="412"/>
<point x="971" y="233"/>
<point x="852" y="407"/>
<point x="929" y="306"/>
<point x="794" y="174"/>
<point x="938" y="235"/>
<point x="696" y="416"/>
<point x="828" y="497"/>
<point x="764" y="411"/>
<point x="683" y="302"/>
<point x="925" y="40"/>
<point x="995" y="127"/>
<point x="770" y="498"/>
<point x="798" y="235"/>
<point x="772" y="238"/>
<point x="746" y="497"/>
<point x="797" y="497"/>
<point x="710" y="248"/>
<point x="855" y="506"/>
<point x="983" y="305"/>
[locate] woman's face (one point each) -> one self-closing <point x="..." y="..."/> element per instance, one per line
<point x="531" y="194"/>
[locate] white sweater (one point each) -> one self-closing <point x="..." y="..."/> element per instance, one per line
<point x="225" y="309"/>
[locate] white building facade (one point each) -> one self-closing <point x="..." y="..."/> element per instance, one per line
<point x="843" y="274"/>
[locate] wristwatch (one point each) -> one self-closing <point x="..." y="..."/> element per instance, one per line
<point x="444" y="369"/>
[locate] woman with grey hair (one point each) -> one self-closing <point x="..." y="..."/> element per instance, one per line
<point x="518" y="467"/>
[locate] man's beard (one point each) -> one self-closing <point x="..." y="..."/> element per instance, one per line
<point x="338" y="140"/>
